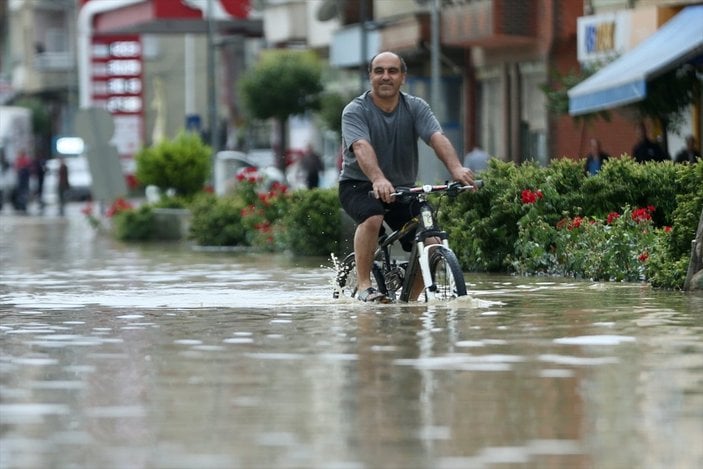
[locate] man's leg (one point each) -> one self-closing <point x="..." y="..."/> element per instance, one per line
<point x="365" y="242"/>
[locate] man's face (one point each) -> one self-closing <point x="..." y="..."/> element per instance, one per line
<point x="386" y="77"/>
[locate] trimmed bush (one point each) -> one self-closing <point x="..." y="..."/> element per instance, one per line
<point x="311" y="225"/>
<point x="182" y="164"/>
<point x="519" y="222"/>
<point x="134" y="224"/>
<point x="217" y="221"/>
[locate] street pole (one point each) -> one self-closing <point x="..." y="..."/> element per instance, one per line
<point x="436" y="84"/>
<point x="434" y="61"/>
<point x="363" y="73"/>
<point x="211" y="89"/>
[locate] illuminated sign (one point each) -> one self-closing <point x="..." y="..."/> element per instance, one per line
<point x="117" y="86"/>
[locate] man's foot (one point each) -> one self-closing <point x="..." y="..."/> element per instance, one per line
<point x="371" y="295"/>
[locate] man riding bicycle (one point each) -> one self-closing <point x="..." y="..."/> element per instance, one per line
<point x="380" y="130"/>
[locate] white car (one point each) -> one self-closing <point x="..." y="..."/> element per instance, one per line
<point x="79" y="179"/>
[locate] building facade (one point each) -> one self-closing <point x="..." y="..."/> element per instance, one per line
<point x="483" y="64"/>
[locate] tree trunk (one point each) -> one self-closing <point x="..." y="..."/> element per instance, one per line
<point x="282" y="144"/>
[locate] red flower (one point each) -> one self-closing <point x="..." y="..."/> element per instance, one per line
<point x="278" y="188"/>
<point x="87" y="210"/>
<point x="667" y="229"/>
<point x="575" y="223"/>
<point x="249" y="174"/>
<point x="530" y="197"/>
<point x="248" y="210"/>
<point x="643" y="257"/>
<point x="119" y="205"/>
<point x="642" y="214"/>
<point x="612" y="216"/>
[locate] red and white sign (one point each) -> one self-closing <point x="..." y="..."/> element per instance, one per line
<point x="117" y="85"/>
<point x="191" y="9"/>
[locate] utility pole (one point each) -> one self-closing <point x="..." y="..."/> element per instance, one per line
<point x="363" y="73"/>
<point x="211" y="89"/>
<point x="436" y="85"/>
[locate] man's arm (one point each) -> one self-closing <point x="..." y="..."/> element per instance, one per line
<point x="368" y="162"/>
<point x="445" y="151"/>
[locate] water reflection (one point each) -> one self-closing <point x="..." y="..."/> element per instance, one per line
<point x="162" y="356"/>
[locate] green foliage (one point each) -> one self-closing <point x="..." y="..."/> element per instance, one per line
<point x="331" y="107"/>
<point x="172" y="202"/>
<point x="281" y="84"/>
<point x="668" y="263"/>
<point x="182" y="164"/>
<point x="623" y="182"/>
<point x="262" y="213"/>
<point x="670" y="95"/>
<point x="615" y="248"/>
<point x="217" y="221"/>
<point x="312" y="223"/>
<point x="555" y="92"/>
<point x="134" y="224"/>
<point x="515" y="222"/>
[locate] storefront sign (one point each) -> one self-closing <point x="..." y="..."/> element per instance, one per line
<point x="603" y="37"/>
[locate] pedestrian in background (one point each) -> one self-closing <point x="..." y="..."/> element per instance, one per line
<point x="646" y="149"/>
<point x="312" y="165"/>
<point x="39" y="173"/>
<point x="688" y="154"/>
<point x="63" y="185"/>
<point x="595" y="158"/>
<point x="23" y="167"/>
<point x="476" y="160"/>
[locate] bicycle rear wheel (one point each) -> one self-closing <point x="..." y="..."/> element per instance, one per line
<point x="347" y="284"/>
<point x="447" y="275"/>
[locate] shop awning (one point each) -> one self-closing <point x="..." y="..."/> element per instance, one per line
<point x="624" y="80"/>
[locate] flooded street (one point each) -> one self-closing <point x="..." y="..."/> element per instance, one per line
<point x="163" y="356"/>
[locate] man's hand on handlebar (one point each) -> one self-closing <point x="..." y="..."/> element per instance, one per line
<point x="463" y="175"/>
<point x="383" y="189"/>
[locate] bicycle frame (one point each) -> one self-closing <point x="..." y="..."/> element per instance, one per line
<point x="426" y="226"/>
<point x="430" y="254"/>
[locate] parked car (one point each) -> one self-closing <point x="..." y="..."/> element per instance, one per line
<point x="79" y="179"/>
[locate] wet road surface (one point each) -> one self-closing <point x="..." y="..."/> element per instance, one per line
<point x="163" y="356"/>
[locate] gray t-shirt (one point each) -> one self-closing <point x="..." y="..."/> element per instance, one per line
<point x="393" y="136"/>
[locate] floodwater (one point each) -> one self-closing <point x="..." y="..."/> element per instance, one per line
<point x="163" y="356"/>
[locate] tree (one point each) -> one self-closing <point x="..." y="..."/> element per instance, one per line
<point x="331" y="107"/>
<point x="283" y="83"/>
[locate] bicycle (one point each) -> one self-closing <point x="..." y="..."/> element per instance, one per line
<point x="394" y="276"/>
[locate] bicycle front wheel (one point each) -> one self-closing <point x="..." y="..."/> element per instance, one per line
<point x="447" y="275"/>
<point x="347" y="284"/>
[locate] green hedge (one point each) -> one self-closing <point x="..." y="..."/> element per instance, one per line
<point x="495" y="230"/>
<point x="629" y="222"/>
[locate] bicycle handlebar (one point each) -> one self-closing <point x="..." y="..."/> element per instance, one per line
<point x="452" y="187"/>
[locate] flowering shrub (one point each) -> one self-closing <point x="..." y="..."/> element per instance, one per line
<point x="614" y="248"/>
<point x="530" y="197"/>
<point x="93" y="220"/>
<point x="262" y="211"/>
<point x="118" y="206"/>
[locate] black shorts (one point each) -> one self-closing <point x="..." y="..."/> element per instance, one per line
<point x="359" y="205"/>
